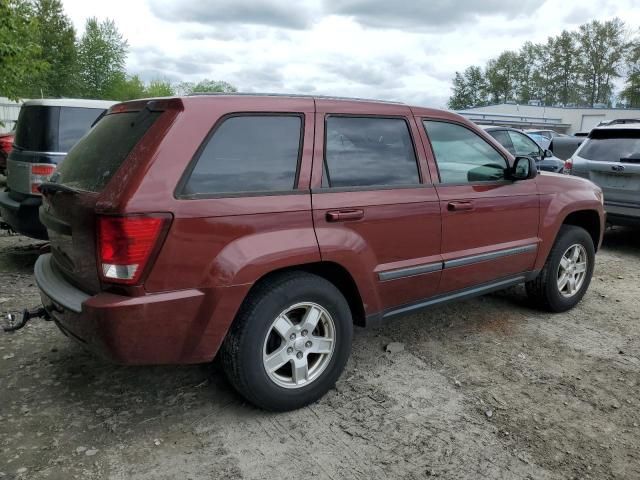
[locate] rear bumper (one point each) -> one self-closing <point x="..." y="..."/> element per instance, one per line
<point x="22" y="215"/>
<point x="622" y="213"/>
<point x="163" y="328"/>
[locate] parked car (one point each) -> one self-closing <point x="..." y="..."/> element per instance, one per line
<point x="549" y="134"/>
<point x="264" y="227"/>
<point x="610" y="157"/>
<point x="564" y="147"/>
<point x="6" y="141"/>
<point x="521" y="144"/>
<point x="45" y="131"/>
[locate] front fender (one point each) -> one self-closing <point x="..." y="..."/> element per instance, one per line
<point x="560" y="196"/>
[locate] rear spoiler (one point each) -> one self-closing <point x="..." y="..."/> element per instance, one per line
<point x="153" y="105"/>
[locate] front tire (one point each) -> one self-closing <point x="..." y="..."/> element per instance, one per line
<point x="290" y="341"/>
<point x="567" y="272"/>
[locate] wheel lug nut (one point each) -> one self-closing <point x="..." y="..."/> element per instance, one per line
<point x="304" y="333"/>
<point x="308" y="344"/>
<point x="290" y="350"/>
<point x="292" y="336"/>
<point x="299" y="354"/>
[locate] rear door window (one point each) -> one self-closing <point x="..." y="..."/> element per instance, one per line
<point x="73" y="124"/>
<point x="615" y="145"/>
<point x="249" y="153"/>
<point x="96" y="157"/>
<point x="369" y="151"/>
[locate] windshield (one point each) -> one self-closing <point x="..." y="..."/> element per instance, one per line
<point x="611" y="145"/>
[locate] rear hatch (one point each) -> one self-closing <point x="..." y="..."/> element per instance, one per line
<point x="44" y="134"/>
<point x="70" y="197"/>
<point x="610" y="158"/>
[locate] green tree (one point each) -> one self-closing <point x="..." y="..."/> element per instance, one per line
<point x="56" y="37"/>
<point x="159" y="88"/>
<point x="602" y="48"/>
<point x="501" y="77"/>
<point x="102" y="52"/>
<point x="19" y="50"/>
<point x="206" y="86"/>
<point x="460" y="98"/>
<point x="525" y="65"/>
<point x="631" y="92"/>
<point x="126" y="88"/>
<point x="564" y="63"/>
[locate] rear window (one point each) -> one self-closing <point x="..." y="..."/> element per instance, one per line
<point x="612" y="145"/>
<point x="74" y="123"/>
<point x="249" y="153"/>
<point x="36" y="129"/>
<point x="96" y="157"/>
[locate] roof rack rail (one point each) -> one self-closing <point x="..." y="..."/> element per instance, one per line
<point x="618" y="121"/>
<point x="294" y="95"/>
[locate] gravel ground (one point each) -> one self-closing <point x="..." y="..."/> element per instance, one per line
<point x="487" y="388"/>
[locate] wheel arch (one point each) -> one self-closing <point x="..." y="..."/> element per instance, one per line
<point x="587" y="219"/>
<point x="333" y="272"/>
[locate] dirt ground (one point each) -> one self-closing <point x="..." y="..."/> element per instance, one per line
<point x="487" y="388"/>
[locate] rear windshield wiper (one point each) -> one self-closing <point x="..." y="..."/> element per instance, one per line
<point x="49" y="187"/>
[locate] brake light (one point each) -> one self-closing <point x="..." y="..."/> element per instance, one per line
<point x="6" y="143"/>
<point x="568" y="165"/>
<point x="40" y="172"/>
<point x="125" y="245"/>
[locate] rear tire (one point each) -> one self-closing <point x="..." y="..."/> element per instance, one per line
<point x="289" y="342"/>
<point x="567" y="273"/>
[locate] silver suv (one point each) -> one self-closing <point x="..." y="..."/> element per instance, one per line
<point x="610" y="157"/>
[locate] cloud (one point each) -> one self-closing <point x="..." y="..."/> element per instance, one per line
<point x="377" y="73"/>
<point x="150" y="59"/>
<point x="274" y="13"/>
<point x="428" y="14"/>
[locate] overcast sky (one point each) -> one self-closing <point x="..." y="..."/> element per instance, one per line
<point x="388" y="49"/>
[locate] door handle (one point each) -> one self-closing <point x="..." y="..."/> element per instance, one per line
<point x="459" y="206"/>
<point x="342" y="215"/>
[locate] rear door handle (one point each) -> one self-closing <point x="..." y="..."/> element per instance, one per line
<point x="459" y="206"/>
<point x="343" y="215"/>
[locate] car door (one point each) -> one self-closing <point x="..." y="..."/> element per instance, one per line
<point x="375" y="210"/>
<point x="489" y="223"/>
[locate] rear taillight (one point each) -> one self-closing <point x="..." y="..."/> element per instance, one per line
<point x="5" y="145"/>
<point x="125" y="245"/>
<point x="568" y="165"/>
<point x="40" y="172"/>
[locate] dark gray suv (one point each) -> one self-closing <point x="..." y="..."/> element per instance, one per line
<point x="45" y="132"/>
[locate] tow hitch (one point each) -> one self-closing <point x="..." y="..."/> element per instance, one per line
<point x="14" y="324"/>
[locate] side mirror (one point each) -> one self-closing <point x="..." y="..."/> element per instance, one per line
<point x="524" y="168"/>
<point x="547" y="154"/>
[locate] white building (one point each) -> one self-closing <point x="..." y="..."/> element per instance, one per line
<point x="9" y="111"/>
<point x="561" y="119"/>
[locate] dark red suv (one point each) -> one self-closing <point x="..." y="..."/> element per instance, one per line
<point x="266" y="226"/>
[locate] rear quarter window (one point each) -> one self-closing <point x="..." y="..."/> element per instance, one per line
<point x="37" y="129"/>
<point x="97" y="156"/>
<point x="248" y="153"/>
